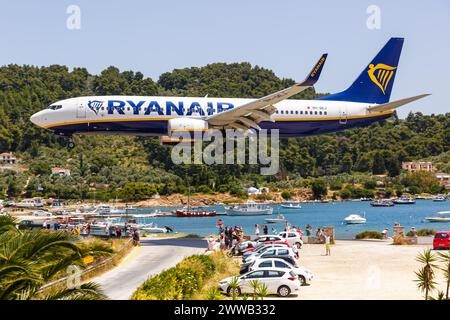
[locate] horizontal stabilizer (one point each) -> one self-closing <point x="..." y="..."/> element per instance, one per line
<point x="395" y="104"/>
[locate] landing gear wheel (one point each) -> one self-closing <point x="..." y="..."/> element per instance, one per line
<point x="71" y="144"/>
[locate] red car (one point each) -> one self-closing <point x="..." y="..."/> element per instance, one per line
<point x="441" y="240"/>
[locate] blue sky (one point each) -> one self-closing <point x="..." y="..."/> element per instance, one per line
<point x="285" y="36"/>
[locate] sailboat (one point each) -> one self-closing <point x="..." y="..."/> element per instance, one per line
<point x="188" y="212"/>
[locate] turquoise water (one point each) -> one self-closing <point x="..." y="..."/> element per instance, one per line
<point x="317" y="215"/>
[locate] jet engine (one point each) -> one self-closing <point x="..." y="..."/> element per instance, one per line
<point x="182" y="130"/>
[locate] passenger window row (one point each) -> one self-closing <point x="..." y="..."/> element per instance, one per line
<point x="301" y="112"/>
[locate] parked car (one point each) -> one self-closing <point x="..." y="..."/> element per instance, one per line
<point x="441" y="240"/>
<point x="278" y="281"/>
<point x="262" y="244"/>
<point x="304" y="275"/>
<point x="272" y="253"/>
<point x="261" y="249"/>
<point x="28" y="224"/>
<point x="266" y="238"/>
<point x="42" y="213"/>
<point x="293" y="238"/>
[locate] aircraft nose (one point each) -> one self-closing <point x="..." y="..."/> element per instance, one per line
<point x="37" y="119"/>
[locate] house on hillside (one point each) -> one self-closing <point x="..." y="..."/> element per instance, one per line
<point x="60" y="171"/>
<point x="414" y="166"/>
<point x="444" y="178"/>
<point x="7" y="158"/>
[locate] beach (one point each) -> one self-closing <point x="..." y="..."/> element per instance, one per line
<point x="363" y="270"/>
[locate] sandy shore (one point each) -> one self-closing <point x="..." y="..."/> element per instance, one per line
<point x="363" y="270"/>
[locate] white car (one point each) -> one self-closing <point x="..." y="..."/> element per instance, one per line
<point x="262" y="248"/>
<point x="265" y="238"/>
<point x="291" y="237"/>
<point x="269" y="237"/>
<point x="41" y="213"/>
<point x="272" y="253"/>
<point x="278" y="281"/>
<point x="304" y="275"/>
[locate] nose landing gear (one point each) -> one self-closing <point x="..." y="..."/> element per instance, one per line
<point x="70" y="144"/>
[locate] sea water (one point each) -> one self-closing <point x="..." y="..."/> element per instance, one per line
<point x="317" y="215"/>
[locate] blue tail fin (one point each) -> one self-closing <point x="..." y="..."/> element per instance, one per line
<point x="374" y="84"/>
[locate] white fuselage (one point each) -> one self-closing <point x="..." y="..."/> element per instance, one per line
<point x="144" y="115"/>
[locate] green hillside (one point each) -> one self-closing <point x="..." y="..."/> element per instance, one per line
<point x="106" y="164"/>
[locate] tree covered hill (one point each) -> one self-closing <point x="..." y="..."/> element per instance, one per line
<point x="109" y="163"/>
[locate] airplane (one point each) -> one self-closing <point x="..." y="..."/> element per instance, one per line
<point x="366" y="101"/>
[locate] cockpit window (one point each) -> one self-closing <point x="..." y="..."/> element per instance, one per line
<point x="55" y="107"/>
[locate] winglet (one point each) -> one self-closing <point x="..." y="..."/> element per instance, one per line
<point x="315" y="72"/>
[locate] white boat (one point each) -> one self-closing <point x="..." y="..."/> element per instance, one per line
<point x="439" y="199"/>
<point x="30" y="203"/>
<point x="153" y="228"/>
<point x="437" y="219"/>
<point x="248" y="209"/>
<point x="355" y="219"/>
<point x="279" y="219"/>
<point x="291" y="205"/>
<point x="440" y="218"/>
<point x="106" y="209"/>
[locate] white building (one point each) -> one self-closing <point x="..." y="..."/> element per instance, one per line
<point x="60" y="171"/>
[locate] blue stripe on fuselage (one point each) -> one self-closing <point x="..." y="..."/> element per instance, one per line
<point x="159" y="127"/>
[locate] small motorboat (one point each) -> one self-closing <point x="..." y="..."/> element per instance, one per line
<point x="279" y="219"/>
<point x="194" y="213"/>
<point x="439" y="199"/>
<point x="404" y="201"/>
<point x="153" y="228"/>
<point x="355" y="219"/>
<point x="437" y="219"/>
<point x="440" y="217"/>
<point x="248" y="209"/>
<point x="291" y="205"/>
<point x="382" y="203"/>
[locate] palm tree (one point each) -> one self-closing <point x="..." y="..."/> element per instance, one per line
<point x="425" y="275"/>
<point x="214" y="294"/>
<point x="254" y="284"/>
<point x="445" y="257"/>
<point x="31" y="258"/>
<point x="262" y="291"/>
<point x="234" y="287"/>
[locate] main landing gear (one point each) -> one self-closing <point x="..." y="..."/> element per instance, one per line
<point x="70" y="144"/>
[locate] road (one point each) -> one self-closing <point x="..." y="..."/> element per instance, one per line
<point x="152" y="257"/>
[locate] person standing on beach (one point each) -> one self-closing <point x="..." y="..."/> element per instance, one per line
<point x="327" y="244"/>
<point x="265" y="230"/>
<point x="308" y="229"/>
<point x="256" y="230"/>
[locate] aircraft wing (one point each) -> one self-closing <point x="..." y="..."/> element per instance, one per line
<point x="250" y="114"/>
<point x="395" y="104"/>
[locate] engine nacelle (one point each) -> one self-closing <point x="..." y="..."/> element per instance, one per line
<point x="186" y="125"/>
<point x="170" y="141"/>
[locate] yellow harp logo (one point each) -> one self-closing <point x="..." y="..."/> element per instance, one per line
<point x="381" y="74"/>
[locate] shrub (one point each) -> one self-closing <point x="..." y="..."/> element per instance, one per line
<point x="399" y="240"/>
<point x="179" y="282"/>
<point x="336" y="185"/>
<point x="422" y="232"/>
<point x="369" y="234"/>
<point x="286" y="195"/>
<point x="370" y="184"/>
